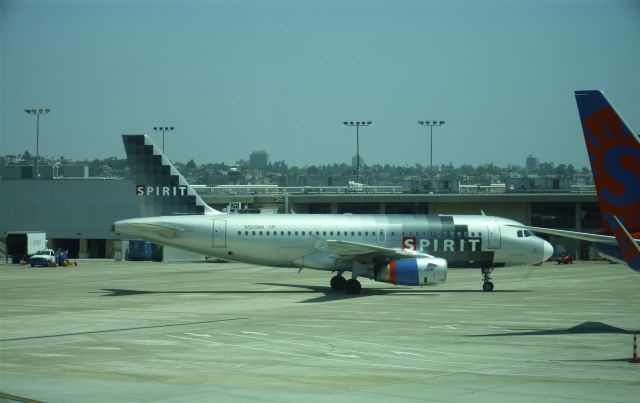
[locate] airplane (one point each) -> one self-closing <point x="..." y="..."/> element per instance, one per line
<point x="614" y="155"/>
<point x="412" y="250"/>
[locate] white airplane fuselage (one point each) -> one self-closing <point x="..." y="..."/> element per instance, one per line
<point x="396" y="249"/>
<point x="300" y="240"/>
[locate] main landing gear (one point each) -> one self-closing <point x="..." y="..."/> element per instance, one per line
<point x="486" y="277"/>
<point x="350" y="286"/>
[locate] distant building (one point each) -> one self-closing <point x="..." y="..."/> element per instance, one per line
<point x="532" y="163"/>
<point x="259" y="160"/>
<point x="46" y="171"/>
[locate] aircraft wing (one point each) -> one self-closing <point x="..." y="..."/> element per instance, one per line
<point x="585" y="236"/>
<point x="164" y="230"/>
<point x="360" y="251"/>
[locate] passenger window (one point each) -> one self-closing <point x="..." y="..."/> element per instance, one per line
<point x="239" y="232"/>
<point x="289" y="233"/>
<point x="296" y="233"/>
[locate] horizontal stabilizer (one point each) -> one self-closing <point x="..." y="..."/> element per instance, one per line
<point x="628" y="246"/>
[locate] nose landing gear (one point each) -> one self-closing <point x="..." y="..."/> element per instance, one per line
<point x="486" y="278"/>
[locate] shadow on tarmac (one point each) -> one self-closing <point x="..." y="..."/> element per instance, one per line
<point x="583" y="328"/>
<point x="327" y="293"/>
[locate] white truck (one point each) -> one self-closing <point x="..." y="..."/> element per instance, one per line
<point x="45" y="257"/>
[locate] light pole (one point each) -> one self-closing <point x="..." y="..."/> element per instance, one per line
<point x="430" y="124"/>
<point x="357" y="125"/>
<point x="163" y="129"/>
<point x="37" y="112"/>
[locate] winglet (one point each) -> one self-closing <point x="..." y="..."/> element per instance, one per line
<point x="628" y="246"/>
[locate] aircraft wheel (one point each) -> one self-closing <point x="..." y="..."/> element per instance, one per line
<point x="338" y="282"/>
<point x="488" y="286"/>
<point x="352" y="286"/>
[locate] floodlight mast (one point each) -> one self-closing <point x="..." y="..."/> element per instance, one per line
<point x="163" y="129"/>
<point x="37" y="112"/>
<point x="357" y="125"/>
<point x="431" y="124"/>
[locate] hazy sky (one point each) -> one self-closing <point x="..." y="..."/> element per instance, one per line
<point x="237" y="76"/>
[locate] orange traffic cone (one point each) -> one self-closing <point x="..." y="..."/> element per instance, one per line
<point x="635" y="359"/>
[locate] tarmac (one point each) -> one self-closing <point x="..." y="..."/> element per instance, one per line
<point x="172" y="332"/>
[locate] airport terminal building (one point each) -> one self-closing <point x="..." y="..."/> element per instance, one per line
<point x="77" y="212"/>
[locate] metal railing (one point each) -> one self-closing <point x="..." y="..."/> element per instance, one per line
<point x="274" y="190"/>
<point x="224" y="190"/>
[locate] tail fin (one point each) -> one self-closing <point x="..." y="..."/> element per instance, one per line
<point x="160" y="188"/>
<point x="614" y="154"/>
<point x="628" y="246"/>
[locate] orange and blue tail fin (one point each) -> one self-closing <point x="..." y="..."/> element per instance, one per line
<point x="614" y="155"/>
<point x="629" y="249"/>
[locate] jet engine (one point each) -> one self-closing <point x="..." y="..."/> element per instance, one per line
<point x="419" y="271"/>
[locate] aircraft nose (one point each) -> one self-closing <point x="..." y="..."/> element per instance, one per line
<point x="547" y="251"/>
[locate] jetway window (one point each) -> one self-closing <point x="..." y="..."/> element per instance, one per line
<point x="553" y="215"/>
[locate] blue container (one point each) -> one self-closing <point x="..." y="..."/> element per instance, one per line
<point x="139" y="250"/>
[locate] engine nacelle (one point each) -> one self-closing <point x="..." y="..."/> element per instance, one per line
<point x="420" y="271"/>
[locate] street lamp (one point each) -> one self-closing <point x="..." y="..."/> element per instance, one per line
<point x="430" y="124"/>
<point x="357" y="125"/>
<point x="37" y="112"/>
<point x="163" y="129"/>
